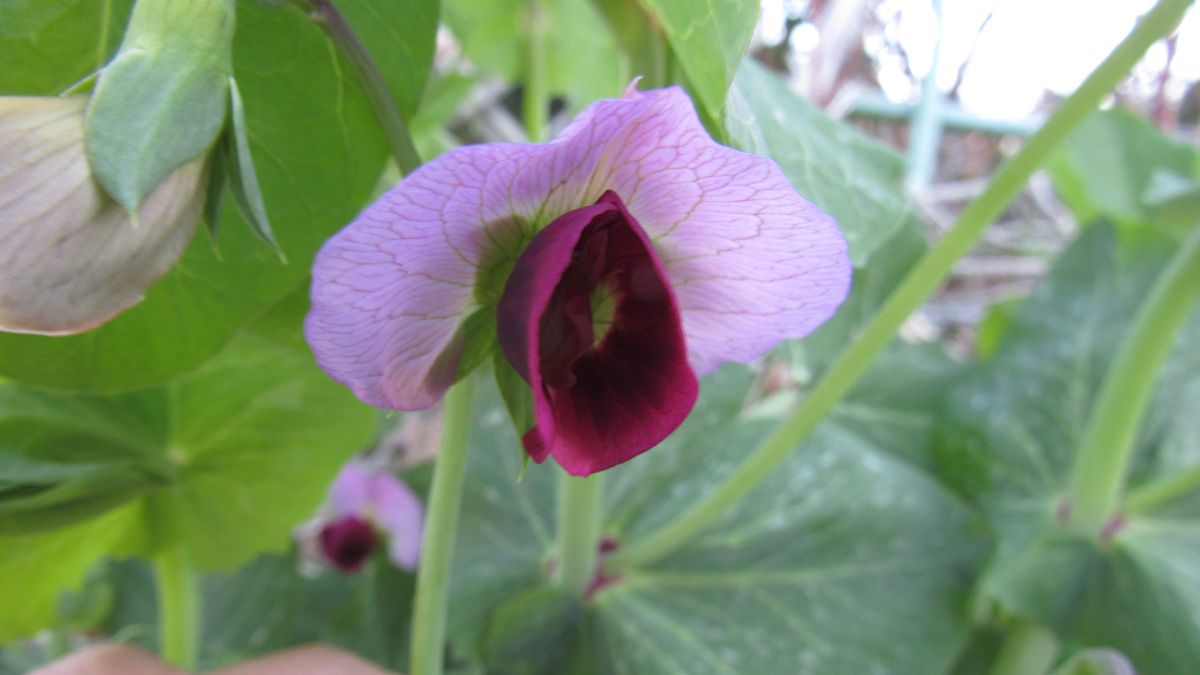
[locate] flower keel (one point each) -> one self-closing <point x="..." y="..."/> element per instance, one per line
<point x="601" y="397"/>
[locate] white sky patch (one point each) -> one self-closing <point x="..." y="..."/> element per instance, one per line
<point x="1028" y="47"/>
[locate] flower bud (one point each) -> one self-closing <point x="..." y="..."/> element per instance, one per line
<point x="70" y="257"/>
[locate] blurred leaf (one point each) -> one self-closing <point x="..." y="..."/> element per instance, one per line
<point x="824" y="565"/>
<point x="1097" y="662"/>
<point x="1107" y="165"/>
<point x="1174" y="200"/>
<point x="1010" y="433"/>
<point x="34" y="569"/>
<point x="250" y="443"/>
<point x="854" y="178"/>
<point x="317" y="152"/>
<point x="267" y="605"/>
<point x="581" y="64"/>
<point x="257" y="447"/>
<point x="709" y="39"/>
<point x="532" y="631"/>
<point x="48" y="45"/>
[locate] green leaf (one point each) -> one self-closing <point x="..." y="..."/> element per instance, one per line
<point x="855" y="179"/>
<point x="256" y="448"/>
<point x="36" y="568"/>
<point x="48" y="45"/>
<point x="400" y="36"/>
<point x="319" y="152"/>
<point x="493" y="35"/>
<point x="842" y="542"/>
<point x="1107" y="165"/>
<point x="1009" y="435"/>
<point x="709" y="39"/>
<point x="248" y="444"/>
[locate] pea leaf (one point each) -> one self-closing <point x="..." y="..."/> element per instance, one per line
<point x="709" y="39"/>
<point x="317" y="153"/>
<point x="855" y="179"/>
<point x="1107" y="167"/>
<point x="48" y="45"/>
<point x="842" y="536"/>
<point x="240" y="455"/>
<point x="1010" y="432"/>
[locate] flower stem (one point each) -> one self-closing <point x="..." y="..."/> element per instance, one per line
<point x="1029" y="649"/>
<point x="395" y="129"/>
<point x="1101" y="465"/>
<point x="178" y="608"/>
<point x="533" y="100"/>
<point x="578" y="530"/>
<point x="441" y="523"/>
<point x="920" y="282"/>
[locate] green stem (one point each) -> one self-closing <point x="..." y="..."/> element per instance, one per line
<point x="920" y="283"/>
<point x="1101" y="465"/>
<point x="1148" y="497"/>
<point x="533" y="100"/>
<point x="578" y="530"/>
<point x="441" y="523"/>
<point x="395" y="129"/>
<point x="1029" y="649"/>
<point x="178" y="608"/>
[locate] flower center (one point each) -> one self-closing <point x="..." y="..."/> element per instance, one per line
<point x="348" y="542"/>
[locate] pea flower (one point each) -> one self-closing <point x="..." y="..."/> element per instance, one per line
<point x="364" y="508"/>
<point x="619" y="261"/>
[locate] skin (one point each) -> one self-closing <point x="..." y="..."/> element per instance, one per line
<point x="116" y="659"/>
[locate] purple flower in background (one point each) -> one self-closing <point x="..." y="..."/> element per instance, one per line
<point x="364" y="508"/>
<point x="622" y="259"/>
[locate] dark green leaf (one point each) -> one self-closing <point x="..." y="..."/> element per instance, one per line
<point x="1010" y="433"/>
<point x="855" y="179"/>
<point x="842" y="542"/>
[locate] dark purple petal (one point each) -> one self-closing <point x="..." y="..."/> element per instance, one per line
<point x="347" y="543"/>
<point x="599" y="400"/>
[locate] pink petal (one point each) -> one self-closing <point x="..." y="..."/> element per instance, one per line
<point x="398" y="512"/>
<point x="752" y="263"/>
<point x="350" y="494"/>
<point x="599" y="400"/>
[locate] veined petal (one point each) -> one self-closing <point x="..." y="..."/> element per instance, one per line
<point x="751" y="262"/>
<point x="599" y="400"/>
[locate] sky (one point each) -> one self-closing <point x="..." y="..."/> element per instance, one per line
<point x="1028" y="46"/>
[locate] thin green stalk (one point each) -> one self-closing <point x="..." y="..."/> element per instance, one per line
<point x="178" y="608"/>
<point x="1102" y="463"/>
<point x="579" y="501"/>
<point x="534" y="98"/>
<point x="1029" y="649"/>
<point x="926" y="130"/>
<point x="920" y="283"/>
<point x="441" y="524"/>
<point x="395" y="129"/>
<point x="1150" y="496"/>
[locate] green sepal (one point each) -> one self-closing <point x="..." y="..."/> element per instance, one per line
<point x="518" y="401"/>
<point x="214" y="195"/>
<point x="243" y="179"/>
<point x="478" y="335"/>
<point x="161" y="101"/>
